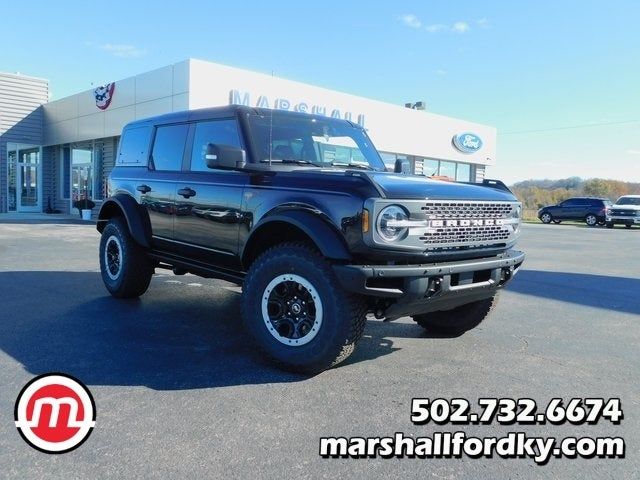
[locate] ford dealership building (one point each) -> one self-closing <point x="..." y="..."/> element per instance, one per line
<point x="52" y="153"/>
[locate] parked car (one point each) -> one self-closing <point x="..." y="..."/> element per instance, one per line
<point x="592" y="211"/>
<point x="625" y="211"/>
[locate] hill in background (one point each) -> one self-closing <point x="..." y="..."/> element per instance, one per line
<point x="537" y="193"/>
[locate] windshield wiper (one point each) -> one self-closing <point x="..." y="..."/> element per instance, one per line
<point x="353" y="165"/>
<point x="298" y="161"/>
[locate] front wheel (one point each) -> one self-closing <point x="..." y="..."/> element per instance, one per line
<point x="459" y="319"/>
<point x="609" y="225"/>
<point x="546" y="217"/>
<point x="591" y="220"/>
<point x="296" y="311"/>
<point x="627" y="226"/>
<point x="125" y="267"/>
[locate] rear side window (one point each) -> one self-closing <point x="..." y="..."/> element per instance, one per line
<point x="597" y="203"/>
<point x="168" y="147"/>
<point x="134" y="146"/>
<point x="223" y="132"/>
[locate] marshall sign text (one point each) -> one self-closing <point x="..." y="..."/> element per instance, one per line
<point x="238" y="97"/>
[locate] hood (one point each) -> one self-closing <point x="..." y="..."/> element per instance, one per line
<point x="623" y="206"/>
<point x="393" y="185"/>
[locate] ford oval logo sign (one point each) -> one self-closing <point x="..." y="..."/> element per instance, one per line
<point x="467" y="142"/>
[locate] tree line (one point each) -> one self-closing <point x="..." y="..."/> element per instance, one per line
<point x="537" y="193"/>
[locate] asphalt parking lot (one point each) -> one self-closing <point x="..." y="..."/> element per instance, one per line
<point x="181" y="393"/>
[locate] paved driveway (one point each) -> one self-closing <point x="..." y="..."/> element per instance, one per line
<point x="181" y="393"/>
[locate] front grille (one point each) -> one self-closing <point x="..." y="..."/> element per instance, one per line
<point x="464" y="210"/>
<point x="457" y="237"/>
<point x="467" y="235"/>
<point x="622" y="213"/>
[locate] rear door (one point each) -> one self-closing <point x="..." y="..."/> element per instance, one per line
<point x="582" y="207"/>
<point x="159" y="187"/>
<point x="568" y="209"/>
<point x="209" y="201"/>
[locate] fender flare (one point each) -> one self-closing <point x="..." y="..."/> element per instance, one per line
<point x="326" y="237"/>
<point x="136" y="217"/>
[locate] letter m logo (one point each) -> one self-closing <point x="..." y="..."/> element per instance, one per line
<point x="55" y="404"/>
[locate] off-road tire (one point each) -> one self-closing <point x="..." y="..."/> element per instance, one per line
<point x="343" y="313"/>
<point x="459" y="319"/>
<point x="132" y="277"/>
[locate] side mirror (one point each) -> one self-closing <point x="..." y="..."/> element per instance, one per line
<point x="402" y="166"/>
<point x="225" y="156"/>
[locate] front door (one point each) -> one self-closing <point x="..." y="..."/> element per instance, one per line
<point x="209" y="201"/>
<point x="25" y="179"/>
<point x="82" y="175"/>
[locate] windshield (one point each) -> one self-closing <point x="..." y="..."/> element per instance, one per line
<point x="312" y="140"/>
<point x="628" y="201"/>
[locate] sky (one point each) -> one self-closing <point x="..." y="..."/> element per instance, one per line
<point x="560" y="80"/>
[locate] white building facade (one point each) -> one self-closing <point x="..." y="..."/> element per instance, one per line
<point x="80" y="133"/>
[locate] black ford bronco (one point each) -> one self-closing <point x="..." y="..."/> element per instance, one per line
<point x="300" y="210"/>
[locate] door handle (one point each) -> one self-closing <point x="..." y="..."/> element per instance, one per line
<point x="143" y="188"/>
<point x="187" y="192"/>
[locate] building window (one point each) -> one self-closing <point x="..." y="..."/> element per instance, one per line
<point x="11" y="164"/>
<point x="463" y="173"/>
<point x="430" y="167"/>
<point x="65" y="172"/>
<point x="447" y="169"/>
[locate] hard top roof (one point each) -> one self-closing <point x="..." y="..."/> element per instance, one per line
<point x="222" y="112"/>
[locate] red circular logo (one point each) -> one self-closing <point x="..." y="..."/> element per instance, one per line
<point x="55" y="413"/>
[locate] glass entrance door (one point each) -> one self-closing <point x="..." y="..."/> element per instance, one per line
<point x="81" y="174"/>
<point x="24" y="175"/>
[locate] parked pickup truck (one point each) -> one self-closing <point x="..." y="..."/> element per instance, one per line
<point x="626" y="211"/>
<point x="300" y="210"/>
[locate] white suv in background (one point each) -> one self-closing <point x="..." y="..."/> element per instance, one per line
<point x="625" y="211"/>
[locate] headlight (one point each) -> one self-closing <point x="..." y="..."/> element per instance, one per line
<point x="392" y="223"/>
<point x="517" y="212"/>
<point x="515" y="218"/>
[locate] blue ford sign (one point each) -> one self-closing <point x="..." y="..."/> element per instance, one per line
<point x="467" y="142"/>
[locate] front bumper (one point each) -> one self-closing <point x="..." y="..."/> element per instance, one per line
<point x="416" y="289"/>
<point x="626" y="220"/>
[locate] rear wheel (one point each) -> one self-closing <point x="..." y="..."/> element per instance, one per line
<point x="591" y="220"/>
<point x="293" y="307"/>
<point x="546" y="217"/>
<point x="458" y="320"/>
<point x="557" y="222"/>
<point x="125" y="267"/>
<point x="627" y="226"/>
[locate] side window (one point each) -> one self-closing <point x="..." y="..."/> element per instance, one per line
<point x="569" y="203"/>
<point x="168" y="147"/>
<point x="223" y="132"/>
<point x="134" y="145"/>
